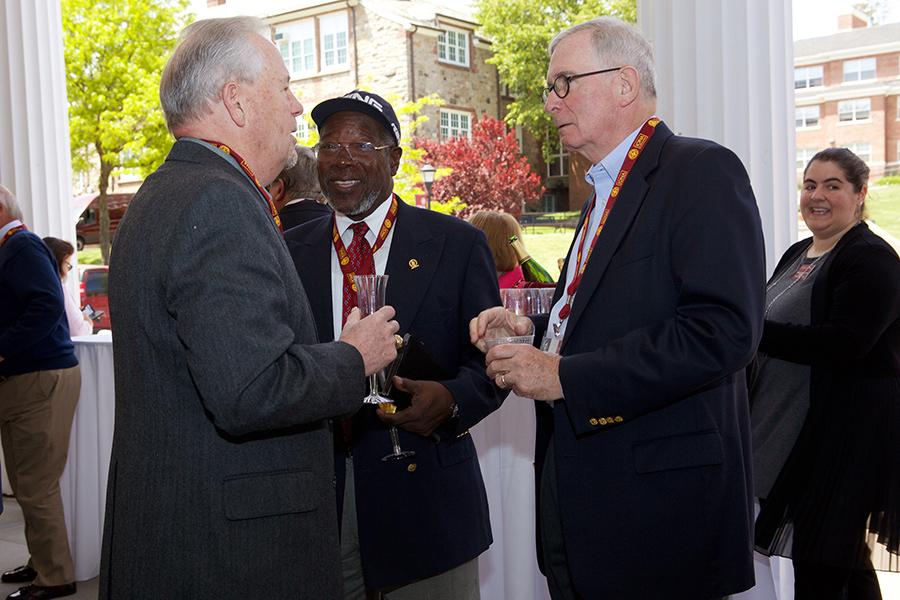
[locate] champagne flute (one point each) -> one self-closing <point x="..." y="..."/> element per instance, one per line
<point x="396" y="453"/>
<point x="370" y="296"/>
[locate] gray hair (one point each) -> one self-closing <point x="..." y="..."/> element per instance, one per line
<point x="9" y="204"/>
<point x="620" y="43"/>
<point x="211" y="53"/>
<point x="302" y="178"/>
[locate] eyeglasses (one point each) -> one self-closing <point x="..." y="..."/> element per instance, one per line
<point x="354" y="149"/>
<point x="561" y="84"/>
<point x="68" y="266"/>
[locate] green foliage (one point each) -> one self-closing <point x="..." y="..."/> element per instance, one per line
<point x="115" y="51"/>
<point x="408" y="181"/>
<point x="889" y="180"/>
<point x="453" y="206"/>
<point x="521" y="31"/>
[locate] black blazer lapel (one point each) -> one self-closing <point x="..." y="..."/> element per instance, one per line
<point x="312" y="254"/>
<point x="412" y="264"/>
<point x="619" y="222"/>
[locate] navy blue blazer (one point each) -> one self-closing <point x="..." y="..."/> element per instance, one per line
<point x="299" y="213"/>
<point x="652" y="443"/>
<point x="419" y="517"/>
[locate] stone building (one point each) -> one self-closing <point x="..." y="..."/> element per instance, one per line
<point x="847" y="87"/>
<point x="400" y="49"/>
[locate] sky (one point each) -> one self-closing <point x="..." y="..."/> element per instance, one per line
<point x="814" y="18"/>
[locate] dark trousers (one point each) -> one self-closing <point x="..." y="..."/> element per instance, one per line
<point x="822" y="582"/>
<point x="556" y="563"/>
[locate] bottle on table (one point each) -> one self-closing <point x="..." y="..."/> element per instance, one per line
<point x="531" y="269"/>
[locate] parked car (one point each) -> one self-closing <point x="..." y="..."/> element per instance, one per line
<point x="87" y="229"/>
<point x="95" y="291"/>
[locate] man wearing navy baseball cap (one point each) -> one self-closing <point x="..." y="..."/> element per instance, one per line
<point x="410" y="528"/>
<point x="364" y="102"/>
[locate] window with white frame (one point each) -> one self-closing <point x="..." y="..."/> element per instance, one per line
<point x="303" y="129"/>
<point x="806" y="116"/>
<point x="854" y="110"/>
<point x="453" y="47"/>
<point x="297" y="43"/>
<point x="333" y="33"/>
<point x="807" y="77"/>
<point x="804" y="155"/>
<point x="859" y="69"/>
<point x="455" y="123"/>
<point x="862" y="149"/>
<point x="558" y="163"/>
<point x="520" y="138"/>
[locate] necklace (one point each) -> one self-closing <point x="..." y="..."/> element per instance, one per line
<point x="798" y="272"/>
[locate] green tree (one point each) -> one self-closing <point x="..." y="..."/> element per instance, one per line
<point x="115" y="51"/>
<point x="521" y="31"/>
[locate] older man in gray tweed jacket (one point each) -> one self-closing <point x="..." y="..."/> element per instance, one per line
<point x="220" y="484"/>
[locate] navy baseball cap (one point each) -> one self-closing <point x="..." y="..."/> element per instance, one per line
<point x="359" y="101"/>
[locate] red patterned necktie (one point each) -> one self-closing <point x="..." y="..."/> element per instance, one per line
<point x="360" y="253"/>
<point x="361" y="261"/>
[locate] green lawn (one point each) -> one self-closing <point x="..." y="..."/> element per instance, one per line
<point x="90" y="256"/>
<point x="547" y="247"/>
<point x="883" y="205"/>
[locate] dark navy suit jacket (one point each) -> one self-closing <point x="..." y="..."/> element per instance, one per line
<point x="652" y="443"/>
<point x="299" y="213"/>
<point x="419" y="517"/>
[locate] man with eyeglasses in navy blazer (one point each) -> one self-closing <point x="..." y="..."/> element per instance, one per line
<point x="643" y="447"/>
<point x="410" y="528"/>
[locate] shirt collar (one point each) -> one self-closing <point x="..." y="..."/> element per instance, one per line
<point x="9" y="226"/>
<point x="212" y="148"/>
<point x="608" y="166"/>
<point x="374" y="220"/>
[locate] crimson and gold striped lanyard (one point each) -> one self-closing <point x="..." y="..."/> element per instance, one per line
<point x="10" y="233"/>
<point x="637" y="146"/>
<point x="344" y="257"/>
<point x="249" y="172"/>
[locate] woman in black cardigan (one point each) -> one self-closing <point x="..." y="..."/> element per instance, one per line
<point x="825" y="405"/>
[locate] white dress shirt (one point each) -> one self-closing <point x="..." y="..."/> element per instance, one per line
<point x="344" y="222"/>
<point x="601" y="176"/>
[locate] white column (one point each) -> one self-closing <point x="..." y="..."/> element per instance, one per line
<point x="34" y="129"/>
<point x="725" y="73"/>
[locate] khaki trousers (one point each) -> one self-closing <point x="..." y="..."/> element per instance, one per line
<point x="36" y="412"/>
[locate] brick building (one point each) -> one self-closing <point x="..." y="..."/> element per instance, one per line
<point x="402" y="49"/>
<point x="847" y="87"/>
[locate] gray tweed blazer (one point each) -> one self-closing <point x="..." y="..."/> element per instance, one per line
<point x="221" y="480"/>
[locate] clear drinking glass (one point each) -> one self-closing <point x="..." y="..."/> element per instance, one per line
<point x="370" y="296"/>
<point x="528" y="301"/>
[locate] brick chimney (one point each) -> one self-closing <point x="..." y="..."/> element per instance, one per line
<point x="854" y="20"/>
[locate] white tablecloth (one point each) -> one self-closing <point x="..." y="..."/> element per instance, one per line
<point x="505" y="443"/>
<point x="83" y="483"/>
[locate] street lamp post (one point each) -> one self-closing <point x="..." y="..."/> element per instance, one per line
<point x="428" y="179"/>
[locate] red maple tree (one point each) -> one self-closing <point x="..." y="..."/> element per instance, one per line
<point x="489" y="170"/>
